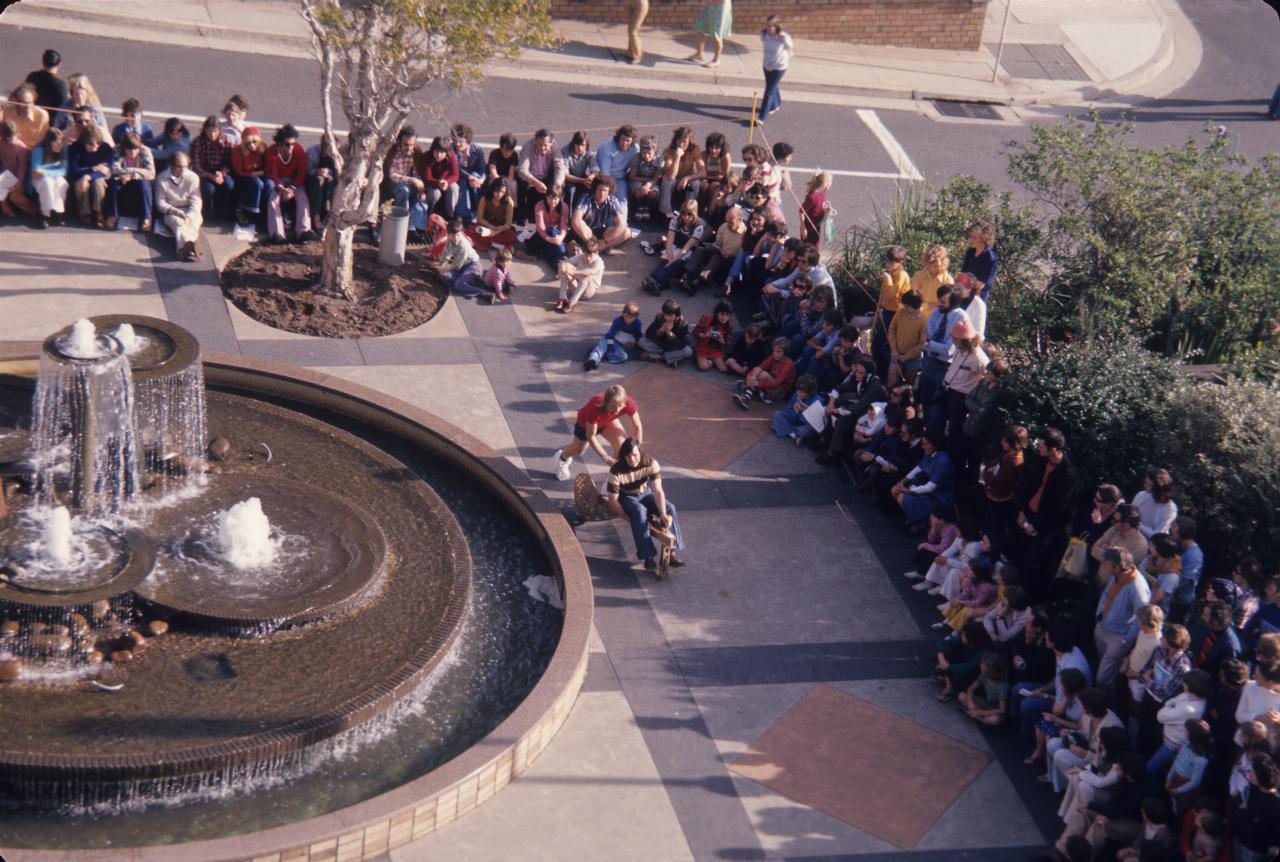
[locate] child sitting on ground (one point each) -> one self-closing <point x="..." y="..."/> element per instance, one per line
<point x="580" y="276"/>
<point x="987" y="700"/>
<point x="624" y="332"/>
<point x="790" y="421"/>
<point x="460" y="264"/>
<point x="498" y="279"/>
<point x="748" y="351"/>
<point x="712" y="335"/>
<point x="769" y="381"/>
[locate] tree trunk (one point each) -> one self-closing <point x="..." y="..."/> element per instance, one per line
<point x="338" y="258"/>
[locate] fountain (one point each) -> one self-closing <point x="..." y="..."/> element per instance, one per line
<point x="288" y="625"/>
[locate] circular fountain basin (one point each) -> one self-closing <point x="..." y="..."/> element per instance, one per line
<point x="122" y="561"/>
<point x="324" y="662"/>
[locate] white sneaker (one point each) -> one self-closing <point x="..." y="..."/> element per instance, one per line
<point x="936" y="591"/>
<point x="562" y="466"/>
<point x="922" y="586"/>
<point x="912" y="575"/>
<point x="526" y="234"/>
<point x="635" y="232"/>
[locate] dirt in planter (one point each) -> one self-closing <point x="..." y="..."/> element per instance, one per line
<point x="275" y="284"/>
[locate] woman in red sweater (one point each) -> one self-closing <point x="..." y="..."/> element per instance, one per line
<point x="286" y="168"/>
<point x="253" y="188"/>
<point x="440" y="175"/>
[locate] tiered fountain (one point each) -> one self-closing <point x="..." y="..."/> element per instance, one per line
<point x="196" y="623"/>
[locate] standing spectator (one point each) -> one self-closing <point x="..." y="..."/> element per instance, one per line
<point x="248" y="166"/>
<point x="133" y="122"/>
<point x="967" y="289"/>
<point x="235" y="115"/>
<point x="133" y="175"/>
<point x="777" y="56"/>
<point x="174" y="139"/>
<point x="635" y="493"/>
<point x="537" y="170"/>
<point x="211" y="162"/>
<point x="965" y="372"/>
<point x="1045" y="511"/>
<point x="1216" y="642"/>
<point x="1001" y="479"/>
<point x="286" y="168"/>
<point x="577" y="167"/>
<point x="178" y="202"/>
<point x="1155" y="503"/>
<point x="714" y="21"/>
<point x="51" y="89"/>
<point x="815" y="208"/>
<point x="907" y="339"/>
<point x="30" y="121"/>
<point x="637" y="11"/>
<point x="934" y="273"/>
<point x="81" y="99"/>
<point x="1124" y="533"/>
<point x="1162" y="676"/>
<point x="667" y="336"/>
<point x="1116" y="619"/>
<point x="15" y="165"/>
<point x="472" y="172"/>
<point x="1184" y="533"/>
<point x="614" y="157"/>
<point x="938" y="350"/>
<point x="601" y="215"/>
<point x="580" y="277"/>
<point x="88" y="172"/>
<point x="49" y="177"/>
<point x="980" y="258"/>
<point x="601" y="416"/>
<point x="894" y="282"/>
<point x="322" y="179"/>
<point x="1257" y="821"/>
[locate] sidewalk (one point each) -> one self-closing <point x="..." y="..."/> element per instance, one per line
<point x="1060" y="53"/>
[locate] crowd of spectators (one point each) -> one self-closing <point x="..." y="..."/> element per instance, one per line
<point x="1148" y="689"/>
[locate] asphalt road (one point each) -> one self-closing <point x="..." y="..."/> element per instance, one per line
<point x="1240" y="68"/>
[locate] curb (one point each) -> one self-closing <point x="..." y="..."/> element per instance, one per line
<point x="34" y="13"/>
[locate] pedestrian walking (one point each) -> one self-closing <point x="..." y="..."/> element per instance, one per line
<point x="716" y="21"/>
<point x="637" y="11"/>
<point x="778" y="49"/>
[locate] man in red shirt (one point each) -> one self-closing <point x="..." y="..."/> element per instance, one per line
<point x="601" y="415"/>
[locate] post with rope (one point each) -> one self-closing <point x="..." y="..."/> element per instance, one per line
<point x="751" y="123"/>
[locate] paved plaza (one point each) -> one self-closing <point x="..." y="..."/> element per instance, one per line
<point x="770" y="700"/>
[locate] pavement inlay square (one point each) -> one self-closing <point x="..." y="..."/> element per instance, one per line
<point x="692" y="422"/>
<point x="873" y="769"/>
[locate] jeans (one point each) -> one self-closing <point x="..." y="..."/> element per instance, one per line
<point x="254" y="192"/>
<point x="219" y="200"/>
<point x="772" y="100"/>
<point x="614" y="352"/>
<point x="405" y="195"/>
<point x="788" y="422"/>
<point x="1112" y="649"/>
<point x="434" y="196"/>
<point x="1158" y="765"/>
<point x="1027" y="709"/>
<point x="140" y="192"/>
<point x="467" y="281"/>
<point x="638" y="510"/>
<point x="667" y="355"/>
<point x="552" y="253"/>
<point x="319" y="196"/>
<point x="468" y="200"/>
<point x="666" y="272"/>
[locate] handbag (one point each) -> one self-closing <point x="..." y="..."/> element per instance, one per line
<point x="1075" y="559"/>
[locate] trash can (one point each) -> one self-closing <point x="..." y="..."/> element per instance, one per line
<point x="395" y="234"/>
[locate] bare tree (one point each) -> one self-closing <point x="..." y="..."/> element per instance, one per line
<point x="375" y="55"/>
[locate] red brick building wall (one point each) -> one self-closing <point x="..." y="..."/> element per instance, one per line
<point x="952" y="24"/>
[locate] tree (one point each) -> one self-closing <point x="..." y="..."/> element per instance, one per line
<point x="377" y="54"/>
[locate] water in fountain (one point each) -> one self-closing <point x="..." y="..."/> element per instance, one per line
<point x="171" y="420"/>
<point x="57" y="536"/>
<point x="244" y="535"/>
<point x="127" y="337"/>
<point x="84" y="434"/>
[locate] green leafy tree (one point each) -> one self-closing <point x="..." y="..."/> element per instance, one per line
<point x="1178" y="246"/>
<point x="374" y="56"/>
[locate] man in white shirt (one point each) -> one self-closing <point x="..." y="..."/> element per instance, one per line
<point x="178" y="202"/>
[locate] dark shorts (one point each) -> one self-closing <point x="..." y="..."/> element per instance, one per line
<point x="580" y="432"/>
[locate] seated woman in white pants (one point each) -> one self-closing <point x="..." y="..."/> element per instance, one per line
<point x="49" y="177"/>
<point x="179" y="204"/>
<point x="1066" y="752"/>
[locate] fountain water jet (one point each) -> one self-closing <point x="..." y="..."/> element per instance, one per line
<point x="244" y="535"/>
<point x="57" y="536"/>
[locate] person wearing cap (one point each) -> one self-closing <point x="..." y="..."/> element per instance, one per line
<point x="968" y="364"/>
<point x="1116" y="618"/>
<point x="179" y="204"/>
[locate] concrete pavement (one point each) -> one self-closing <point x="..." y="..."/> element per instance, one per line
<point x="1062" y="53"/>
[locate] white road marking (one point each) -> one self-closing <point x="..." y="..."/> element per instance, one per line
<point x="906" y="168"/>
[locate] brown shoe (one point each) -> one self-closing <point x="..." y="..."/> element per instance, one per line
<point x="187" y="251"/>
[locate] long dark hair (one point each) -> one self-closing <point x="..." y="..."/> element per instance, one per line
<point x="628" y="446"/>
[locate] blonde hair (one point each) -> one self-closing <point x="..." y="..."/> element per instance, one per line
<point x="935" y="254"/>
<point x="690" y="207"/>
<point x="615" y="396"/>
<point x="986" y="230"/>
<point x="820" y="180"/>
<point x="1151" y="616"/>
<point x="80" y="79"/>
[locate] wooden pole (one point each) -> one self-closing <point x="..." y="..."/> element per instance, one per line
<point x="751" y="129"/>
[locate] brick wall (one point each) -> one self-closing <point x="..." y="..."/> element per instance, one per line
<point x="951" y="24"/>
